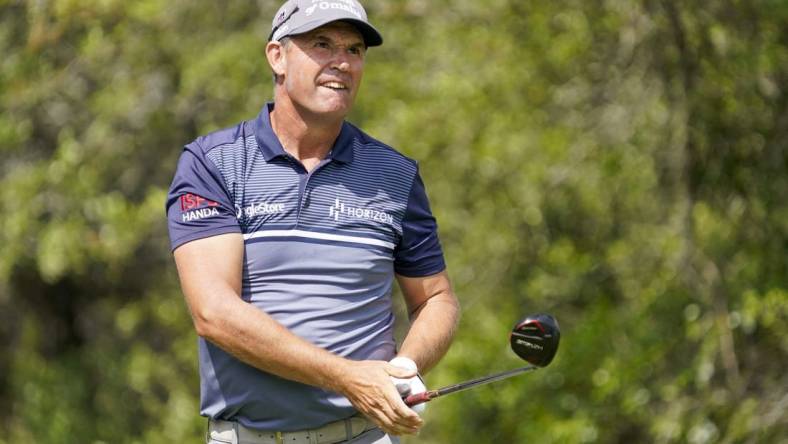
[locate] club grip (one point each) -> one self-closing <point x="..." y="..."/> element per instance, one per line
<point x="418" y="398"/>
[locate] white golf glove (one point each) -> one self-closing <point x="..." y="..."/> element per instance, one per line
<point x="411" y="386"/>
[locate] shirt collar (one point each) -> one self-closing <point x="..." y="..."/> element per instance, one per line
<point x="270" y="147"/>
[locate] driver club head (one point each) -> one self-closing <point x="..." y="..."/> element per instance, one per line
<point x="535" y="339"/>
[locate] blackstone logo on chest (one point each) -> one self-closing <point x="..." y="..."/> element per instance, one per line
<point x="348" y="211"/>
<point x="260" y="209"/>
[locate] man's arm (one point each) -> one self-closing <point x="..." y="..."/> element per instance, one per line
<point x="210" y="271"/>
<point x="434" y="313"/>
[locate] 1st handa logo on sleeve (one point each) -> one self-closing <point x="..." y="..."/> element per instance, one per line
<point x="194" y="207"/>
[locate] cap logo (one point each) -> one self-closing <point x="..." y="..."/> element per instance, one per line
<point x="345" y="5"/>
<point x="279" y="29"/>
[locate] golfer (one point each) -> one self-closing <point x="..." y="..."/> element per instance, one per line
<point x="288" y="231"/>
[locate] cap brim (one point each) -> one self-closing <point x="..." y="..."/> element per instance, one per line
<point x="371" y="35"/>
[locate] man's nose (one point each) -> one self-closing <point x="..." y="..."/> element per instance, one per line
<point x="343" y="65"/>
<point x="341" y="60"/>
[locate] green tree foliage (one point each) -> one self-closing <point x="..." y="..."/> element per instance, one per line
<point x="619" y="164"/>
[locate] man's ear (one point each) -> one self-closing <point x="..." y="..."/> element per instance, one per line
<point x="275" y="53"/>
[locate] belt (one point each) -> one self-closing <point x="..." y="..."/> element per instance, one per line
<point x="235" y="433"/>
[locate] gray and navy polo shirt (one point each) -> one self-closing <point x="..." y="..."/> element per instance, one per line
<point x="321" y="250"/>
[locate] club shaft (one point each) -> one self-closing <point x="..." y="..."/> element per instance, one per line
<point x="484" y="380"/>
<point x="432" y="394"/>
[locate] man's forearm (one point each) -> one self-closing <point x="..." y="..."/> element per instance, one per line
<point x="432" y="329"/>
<point x="256" y="338"/>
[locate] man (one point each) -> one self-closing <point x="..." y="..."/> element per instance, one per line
<point x="288" y="231"/>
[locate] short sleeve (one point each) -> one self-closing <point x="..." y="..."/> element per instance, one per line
<point x="198" y="203"/>
<point x="419" y="251"/>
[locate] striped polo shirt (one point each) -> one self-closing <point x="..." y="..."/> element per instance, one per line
<point x="321" y="251"/>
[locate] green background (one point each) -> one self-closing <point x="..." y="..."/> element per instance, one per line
<point x="620" y="164"/>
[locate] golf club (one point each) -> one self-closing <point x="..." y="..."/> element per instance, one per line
<point x="534" y="339"/>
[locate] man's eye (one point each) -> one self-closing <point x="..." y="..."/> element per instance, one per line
<point x="323" y="45"/>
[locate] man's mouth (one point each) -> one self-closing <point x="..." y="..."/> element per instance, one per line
<point x="334" y="85"/>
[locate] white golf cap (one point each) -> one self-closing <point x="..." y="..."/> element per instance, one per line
<point x="300" y="16"/>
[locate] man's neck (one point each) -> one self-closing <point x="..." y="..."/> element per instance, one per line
<point x="306" y="137"/>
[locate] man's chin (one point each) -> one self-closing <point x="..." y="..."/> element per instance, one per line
<point x="326" y="107"/>
<point x="335" y="109"/>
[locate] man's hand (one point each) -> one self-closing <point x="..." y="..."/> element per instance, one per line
<point x="368" y="386"/>
<point x="409" y="386"/>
